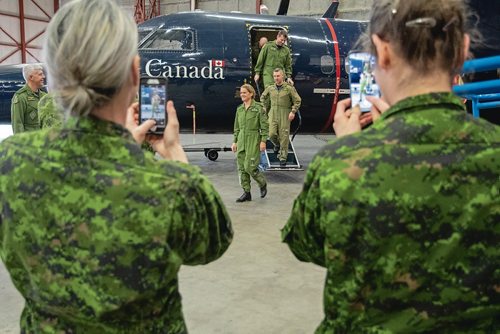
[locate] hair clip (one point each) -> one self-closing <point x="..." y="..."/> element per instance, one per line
<point x="427" y="22"/>
<point x="450" y="22"/>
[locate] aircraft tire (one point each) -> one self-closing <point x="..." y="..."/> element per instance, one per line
<point x="212" y="155"/>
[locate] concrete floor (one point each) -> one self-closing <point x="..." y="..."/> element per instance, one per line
<point x="257" y="286"/>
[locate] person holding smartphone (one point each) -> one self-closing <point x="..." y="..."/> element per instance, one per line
<point x="93" y="229"/>
<point x="250" y="135"/>
<point x="404" y="214"/>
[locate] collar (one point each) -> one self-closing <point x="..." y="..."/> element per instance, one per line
<point x="430" y="101"/>
<point x="92" y="124"/>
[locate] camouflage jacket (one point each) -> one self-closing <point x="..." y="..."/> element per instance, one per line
<point x="24" y="110"/>
<point x="93" y="229"/>
<point x="48" y="113"/>
<point x="405" y="216"/>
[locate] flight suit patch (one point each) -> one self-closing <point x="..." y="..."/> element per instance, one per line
<point x="33" y="115"/>
<point x="15" y="99"/>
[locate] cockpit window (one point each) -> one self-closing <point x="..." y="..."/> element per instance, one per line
<point x="143" y="33"/>
<point x="171" y="39"/>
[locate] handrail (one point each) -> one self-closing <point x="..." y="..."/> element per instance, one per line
<point x="483" y="94"/>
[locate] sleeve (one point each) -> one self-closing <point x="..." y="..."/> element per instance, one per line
<point x="264" y="125"/>
<point x="17" y="113"/>
<point x="236" y="128"/>
<point x="302" y="232"/>
<point x="266" y="100"/>
<point x="288" y="64"/>
<point x="261" y="60"/>
<point x="201" y="230"/>
<point x="296" y="100"/>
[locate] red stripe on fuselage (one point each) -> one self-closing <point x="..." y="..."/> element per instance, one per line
<point x="337" y="76"/>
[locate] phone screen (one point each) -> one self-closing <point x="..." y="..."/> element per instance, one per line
<point x="152" y="100"/>
<point x="361" y="80"/>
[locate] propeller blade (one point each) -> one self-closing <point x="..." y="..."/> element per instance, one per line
<point x="283" y="8"/>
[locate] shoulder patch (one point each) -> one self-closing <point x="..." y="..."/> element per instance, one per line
<point x="15" y="99"/>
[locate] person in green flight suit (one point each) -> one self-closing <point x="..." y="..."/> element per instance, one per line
<point x="281" y="101"/>
<point x="93" y="229"/>
<point x="250" y="135"/>
<point x="48" y="113"/>
<point x="274" y="54"/>
<point x="405" y="215"/>
<point x="24" y="107"/>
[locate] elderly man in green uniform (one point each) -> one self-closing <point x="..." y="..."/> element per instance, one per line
<point x="281" y="101"/>
<point x="24" y="108"/>
<point x="274" y="54"/>
<point x="48" y="113"/>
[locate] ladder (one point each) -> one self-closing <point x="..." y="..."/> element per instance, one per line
<point x="273" y="163"/>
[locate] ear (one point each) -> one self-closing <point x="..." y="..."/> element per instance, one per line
<point x="466" y="46"/>
<point x="136" y="70"/>
<point x="384" y="52"/>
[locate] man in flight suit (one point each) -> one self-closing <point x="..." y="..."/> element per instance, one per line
<point x="24" y="107"/>
<point x="281" y="101"/>
<point x="274" y="54"/>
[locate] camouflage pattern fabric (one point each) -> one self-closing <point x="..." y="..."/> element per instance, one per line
<point x="24" y="110"/>
<point x="279" y="102"/>
<point x="250" y="129"/>
<point x="271" y="57"/>
<point x="405" y="217"/>
<point x="93" y="229"/>
<point x="48" y="114"/>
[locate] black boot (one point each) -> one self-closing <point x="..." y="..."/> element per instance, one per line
<point x="245" y="197"/>
<point x="263" y="191"/>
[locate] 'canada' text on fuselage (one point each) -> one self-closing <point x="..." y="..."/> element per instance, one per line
<point x="156" y="68"/>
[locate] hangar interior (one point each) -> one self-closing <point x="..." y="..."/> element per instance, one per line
<point x="23" y="22"/>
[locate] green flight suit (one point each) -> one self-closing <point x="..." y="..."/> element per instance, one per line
<point x="279" y="102"/>
<point x="48" y="113"/>
<point x="250" y="129"/>
<point x="271" y="57"/>
<point x="405" y="216"/>
<point x="94" y="230"/>
<point x="24" y="110"/>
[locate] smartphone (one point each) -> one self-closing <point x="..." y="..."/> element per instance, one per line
<point x="152" y="100"/>
<point x="361" y="80"/>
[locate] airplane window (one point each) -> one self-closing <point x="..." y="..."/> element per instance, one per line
<point x="172" y="39"/>
<point x="327" y="64"/>
<point x="143" y="33"/>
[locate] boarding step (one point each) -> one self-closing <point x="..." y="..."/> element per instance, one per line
<point x="273" y="163"/>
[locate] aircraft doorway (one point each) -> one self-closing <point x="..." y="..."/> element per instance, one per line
<point x="256" y="34"/>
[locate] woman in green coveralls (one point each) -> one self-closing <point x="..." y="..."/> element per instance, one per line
<point x="250" y="135"/>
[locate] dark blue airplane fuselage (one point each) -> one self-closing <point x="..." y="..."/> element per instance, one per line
<point x="318" y="46"/>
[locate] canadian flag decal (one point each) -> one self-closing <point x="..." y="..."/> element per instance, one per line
<point x="218" y="63"/>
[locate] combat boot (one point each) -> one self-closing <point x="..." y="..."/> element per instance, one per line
<point x="245" y="197"/>
<point x="263" y="191"/>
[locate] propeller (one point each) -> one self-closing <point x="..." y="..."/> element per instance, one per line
<point x="283" y="8"/>
<point x="332" y="10"/>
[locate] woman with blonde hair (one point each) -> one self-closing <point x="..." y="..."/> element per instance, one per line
<point x="250" y="134"/>
<point x="93" y="229"/>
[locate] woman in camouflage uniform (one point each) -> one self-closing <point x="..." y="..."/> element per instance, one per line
<point x="405" y="214"/>
<point x="93" y="230"/>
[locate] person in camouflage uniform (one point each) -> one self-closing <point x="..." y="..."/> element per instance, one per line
<point x="24" y="107"/>
<point x="405" y="215"/>
<point x="281" y="101"/>
<point x="93" y="229"/>
<point x="250" y="135"/>
<point x="274" y="54"/>
<point x="48" y="114"/>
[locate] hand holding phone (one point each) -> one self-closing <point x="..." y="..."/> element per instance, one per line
<point x="361" y="80"/>
<point x="152" y="101"/>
